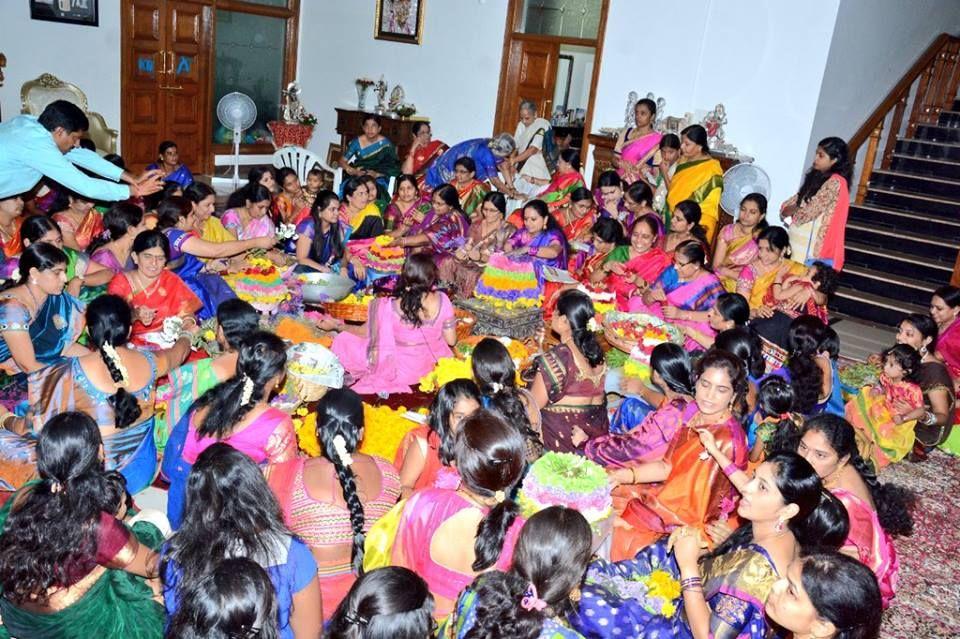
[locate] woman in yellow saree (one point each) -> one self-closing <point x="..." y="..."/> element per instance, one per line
<point x="772" y="264"/>
<point x="698" y="177"/>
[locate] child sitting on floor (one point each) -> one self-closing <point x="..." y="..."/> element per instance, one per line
<point x="884" y="415"/>
<point x="774" y="428"/>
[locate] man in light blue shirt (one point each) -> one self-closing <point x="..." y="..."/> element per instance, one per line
<point x="31" y="148"/>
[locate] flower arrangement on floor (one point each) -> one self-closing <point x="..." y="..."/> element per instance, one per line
<point x="384" y="429"/>
<point x="446" y="370"/>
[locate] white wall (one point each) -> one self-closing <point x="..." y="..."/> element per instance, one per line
<point x="763" y="60"/>
<point x="874" y="43"/>
<point x="86" y="56"/>
<point x="452" y="78"/>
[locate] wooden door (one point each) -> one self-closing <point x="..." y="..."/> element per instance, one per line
<point x="166" y="56"/>
<point x="143" y="62"/>
<point x="186" y="82"/>
<point x="530" y="74"/>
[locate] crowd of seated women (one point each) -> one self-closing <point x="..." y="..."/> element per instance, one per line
<point x="741" y="474"/>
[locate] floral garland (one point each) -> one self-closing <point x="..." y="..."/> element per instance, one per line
<point x="384" y="429"/>
<point x="446" y="370"/>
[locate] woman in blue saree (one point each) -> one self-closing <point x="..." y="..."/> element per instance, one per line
<point x="541" y="239"/>
<point x="39" y="322"/>
<point x="169" y="164"/>
<point x="322" y="242"/>
<point x="488" y="154"/>
<point x="372" y="154"/>
<point x="670" y="589"/>
<point x="175" y="218"/>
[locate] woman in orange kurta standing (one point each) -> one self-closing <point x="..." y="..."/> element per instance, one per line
<point x="684" y="488"/>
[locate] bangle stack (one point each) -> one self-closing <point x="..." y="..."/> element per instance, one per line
<point x="693" y="584"/>
<point x="730" y="469"/>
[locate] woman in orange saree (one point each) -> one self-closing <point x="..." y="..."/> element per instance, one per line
<point x="152" y="291"/>
<point x="423" y="153"/>
<point x="686" y="488"/>
<point x="11" y="217"/>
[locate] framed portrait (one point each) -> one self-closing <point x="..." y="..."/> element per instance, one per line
<point x="399" y="21"/>
<point x="69" y="11"/>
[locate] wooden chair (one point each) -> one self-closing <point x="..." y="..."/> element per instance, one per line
<point x="36" y="94"/>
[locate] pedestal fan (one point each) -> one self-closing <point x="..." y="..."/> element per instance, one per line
<point x="237" y="112"/>
<point x="740" y="181"/>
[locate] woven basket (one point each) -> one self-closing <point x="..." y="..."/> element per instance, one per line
<point x="347" y="312"/>
<point x="307" y="391"/>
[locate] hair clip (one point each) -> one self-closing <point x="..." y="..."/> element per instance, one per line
<point x="499" y="496"/>
<point x="531" y="601"/>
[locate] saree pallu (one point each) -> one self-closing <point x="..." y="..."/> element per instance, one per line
<point x="181" y="176"/>
<point x="755" y="287"/>
<point x="563" y="378"/>
<point x="423" y="158"/>
<point x="697" y="295"/>
<point x="210" y="288"/>
<point x="365" y="224"/>
<point x="933" y="376"/>
<point x="184" y="386"/>
<point x="477" y="149"/>
<point x="557" y="194"/>
<point x="637" y="150"/>
<point x="471" y="196"/>
<point x="647" y="266"/>
<point x="14" y="246"/>
<point x="169" y="297"/>
<point x="822" y="238"/>
<point x="638" y="433"/>
<point x="132" y="451"/>
<point x="741" y="251"/>
<point x="89" y="227"/>
<point x="58" y="324"/>
<point x="695" y="492"/>
<point x="874" y="547"/>
<point x="702" y="182"/>
<point x="380" y="157"/>
<point x="446" y="233"/>
<point x="522" y="239"/>
<point x="214" y="231"/>
<point x="879" y="438"/>
<point x="948" y="347"/>
<point x="117" y="605"/>
<point x="641" y="596"/>
<point x="259" y="227"/>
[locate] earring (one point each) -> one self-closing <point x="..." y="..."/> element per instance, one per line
<point x="923" y="351"/>
<point x="778" y="526"/>
<point x="575" y="595"/>
<point x="33" y="281"/>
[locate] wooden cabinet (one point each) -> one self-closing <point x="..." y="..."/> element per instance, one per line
<point x="400" y="132"/>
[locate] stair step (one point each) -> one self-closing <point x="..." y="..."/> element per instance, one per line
<point x="942" y="249"/>
<point x="926" y="185"/>
<point x="936" y="133"/>
<point x="928" y="149"/>
<point x="914" y="165"/>
<point x="914" y="202"/>
<point x="859" y="339"/>
<point x="869" y="214"/>
<point x="872" y="307"/>
<point x="894" y="287"/>
<point x="894" y="262"/>
<point x="949" y="118"/>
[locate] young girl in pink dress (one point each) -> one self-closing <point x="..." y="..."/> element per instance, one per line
<point x="405" y="335"/>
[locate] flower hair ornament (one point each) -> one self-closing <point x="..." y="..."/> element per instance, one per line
<point x="55" y="486"/>
<point x="496" y="387"/>
<point x="593" y="325"/>
<point x="247" y="393"/>
<point x="111" y="353"/>
<point x="340" y="448"/>
<point x="499" y="496"/>
<point x="531" y="601"/>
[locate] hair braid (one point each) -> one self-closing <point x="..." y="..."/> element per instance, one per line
<point x="348" y="484"/>
<point x="893" y="503"/>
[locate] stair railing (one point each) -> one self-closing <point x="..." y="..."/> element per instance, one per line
<point x="927" y="88"/>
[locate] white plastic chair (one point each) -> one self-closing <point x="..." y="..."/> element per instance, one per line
<point x="302" y="161"/>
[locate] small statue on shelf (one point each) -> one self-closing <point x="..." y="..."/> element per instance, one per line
<point x="630" y="115"/>
<point x="381" y="90"/>
<point x="293" y="111"/>
<point x="396" y="98"/>
<point x="714" y="122"/>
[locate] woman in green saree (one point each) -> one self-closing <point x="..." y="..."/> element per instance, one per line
<point x="88" y="565"/>
<point x="372" y="154"/>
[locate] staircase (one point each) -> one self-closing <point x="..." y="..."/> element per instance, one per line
<point x="903" y="231"/>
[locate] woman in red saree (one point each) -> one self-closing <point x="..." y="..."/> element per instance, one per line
<point x="632" y="269"/>
<point x="686" y="487"/>
<point x="152" y="291"/>
<point x="470" y="190"/>
<point x="11" y="217"/>
<point x="423" y="153"/>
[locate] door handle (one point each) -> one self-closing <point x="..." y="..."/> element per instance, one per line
<point x="173" y="61"/>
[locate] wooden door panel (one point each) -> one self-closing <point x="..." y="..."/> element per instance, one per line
<point x="145" y="108"/>
<point x="531" y="74"/>
<point x="143" y="67"/>
<point x="187" y="97"/>
<point x="146" y="22"/>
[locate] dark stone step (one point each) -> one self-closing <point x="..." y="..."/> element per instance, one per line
<point x="900" y="240"/>
<point x="930" y="186"/>
<point x="870" y="256"/>
<point x="914" y="203"/>
<point x="925" y="224"/>
<point x="886" y="286"/>
<point x="924" y="166"/>
<point x="934" y="133"/>
<point x="924" y="149"/>
<point x="949" y="118"/>
<point x="870" y="307"/>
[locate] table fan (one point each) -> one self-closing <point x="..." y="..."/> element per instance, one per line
<point x="740" y="181"/>
<point x="237" y="112"/>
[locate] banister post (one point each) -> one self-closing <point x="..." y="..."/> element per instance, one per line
<point x="872" y="144"/>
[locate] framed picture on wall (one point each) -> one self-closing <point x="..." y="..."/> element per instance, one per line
<point x="69" y="11"/>
<point x="399" y="20"/>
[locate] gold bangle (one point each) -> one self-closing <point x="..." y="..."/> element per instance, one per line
<point x="633" y="474"/>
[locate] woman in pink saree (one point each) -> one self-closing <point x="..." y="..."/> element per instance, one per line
<point x="435" y="523"/>
<point x="631" y="269"/>
<point x="945" y="311"/>
<point x="684" y="293"/>
<point x="405" y="335"/>
<point x="876" y="511"/>
<point x="637" y="145"/>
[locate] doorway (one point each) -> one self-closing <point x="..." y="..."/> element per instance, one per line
<point x="551" y="56"/>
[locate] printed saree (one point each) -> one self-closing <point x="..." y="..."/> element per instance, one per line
<point x="702" y="182"/>
<point x="754" y="287"/>
<point x="699" y="294"/>
<point x="380" y="157"/>
<point x="471" y="195"/>
<point x="424" y="157"/>
<point x="563" y="378"/>
<point x="638" y="434"/>
<point x="874" y="547"/>
<point x="477" y="149"/>
<point x="641" y="596"/>
<point x="741" y="251"/>
<point x="168" y="296"/>
<point x="879" y="438"/>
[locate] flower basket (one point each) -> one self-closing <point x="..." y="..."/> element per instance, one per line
<point x="615" y="322"/>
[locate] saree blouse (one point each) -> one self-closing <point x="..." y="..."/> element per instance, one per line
<point x="562" y="377"/>
<point x="59" y="323"/>
<point x="754" y="286"/>
<point x="874" y="546"/>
